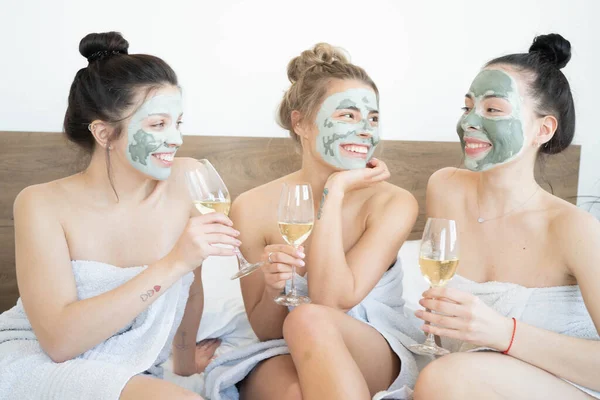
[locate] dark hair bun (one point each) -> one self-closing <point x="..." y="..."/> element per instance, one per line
<point x="97" y="46"/>
<point x="552" y="48"/>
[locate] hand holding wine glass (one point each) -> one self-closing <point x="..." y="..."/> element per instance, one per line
<point x="296" y="215"/>
<point x="209" y="194"/>
<point x="197" y="241"/>
<point x="438" y="260"/>
<point x="280" y="260"/>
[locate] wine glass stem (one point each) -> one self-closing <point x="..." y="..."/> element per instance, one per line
<point x="293" y="285"/>
<point x="430" y="341"/>
<point x="240" y="257"/>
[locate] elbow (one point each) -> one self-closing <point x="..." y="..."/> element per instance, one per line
<point x="58" y="349"/>
<point x="341" y="303"/>
<point x="58" y="352"/>
<point x="59" y="357"/>
<point x="342" y="296"/>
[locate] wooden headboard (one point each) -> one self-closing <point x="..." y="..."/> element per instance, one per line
<point x="31" y="157"/>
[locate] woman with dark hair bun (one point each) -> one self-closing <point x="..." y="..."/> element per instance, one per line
<point x="529" y="284"/>
<point x="109" y="259"/>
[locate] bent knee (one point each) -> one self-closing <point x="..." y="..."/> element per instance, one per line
<point x="305" y="321"/>
<point x="442" y="378"/>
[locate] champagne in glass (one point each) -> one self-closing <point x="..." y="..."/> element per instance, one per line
<point x="209" y="194"/>
<point x="438" y="261"/>
<point x="205" y="207"/>
<point x="296" y="216"/>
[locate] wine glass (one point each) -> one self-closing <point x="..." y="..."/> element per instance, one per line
<point x="209" y="194"/>
<point x="438" y="259"/>
<point x="295" y="216"/>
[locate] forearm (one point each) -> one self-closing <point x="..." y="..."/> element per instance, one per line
<point x="86" y="323"/>
<point x="184" y="343"/>
<point x="266" y="318"/>
<point x="574" y="359"/>
<point x="330" y="279"/>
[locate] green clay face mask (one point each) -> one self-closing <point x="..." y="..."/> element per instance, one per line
<point x="153" y="135"/>
<point x="491" y="133"/>
<point x="341" y="121"/>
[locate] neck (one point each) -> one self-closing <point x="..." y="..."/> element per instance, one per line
<point x="130" y="185"/>
<point x="506" y="188"/>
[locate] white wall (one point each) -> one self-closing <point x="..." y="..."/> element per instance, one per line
<point x="231" y="57"/>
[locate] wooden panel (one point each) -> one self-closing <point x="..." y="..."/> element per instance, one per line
<point x="8" y="277"/>
<point x="31" y="157"/>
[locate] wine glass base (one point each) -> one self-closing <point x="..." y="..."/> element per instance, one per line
<point x="426" y="350"/>
<point x="289" y="300"/>
<point x="247" y="270"/>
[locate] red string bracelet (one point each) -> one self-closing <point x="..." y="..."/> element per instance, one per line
<point x="512" y="339"/>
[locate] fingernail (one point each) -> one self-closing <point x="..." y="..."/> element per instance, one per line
<point x="418" y="313"/>
<point x="238" y="243"/>
<point x="302" y="263"/>
<point x="237" y="233"/>
<point x="301" y="255"/>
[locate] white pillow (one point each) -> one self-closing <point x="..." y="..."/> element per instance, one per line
<point x="224" y="314"/>
<point x="413" y="283"/>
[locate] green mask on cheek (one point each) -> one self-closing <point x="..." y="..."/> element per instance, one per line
<point x="337" y="132"/>
<point x="151" y="150"/>
<point x="504" y="133"/>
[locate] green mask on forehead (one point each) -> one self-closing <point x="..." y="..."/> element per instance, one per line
<point x="333" y="133"/>
<point x="505" y="133"/>
<point x="146" y="147"/>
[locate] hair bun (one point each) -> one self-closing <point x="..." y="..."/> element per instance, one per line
<point x="552" y="48"/>
<point x="322" y="54"/>
<point x="98" y="46"/>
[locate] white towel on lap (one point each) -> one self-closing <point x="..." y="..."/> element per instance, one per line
<point x="100" y="373"/>
<point x="383" y="309"/>
<point x="558" y="309"/>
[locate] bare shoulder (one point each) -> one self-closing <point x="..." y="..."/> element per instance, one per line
<point x="576" y="233"/>
<point x="392" y="202"/>
<point x="258" y="202"/>
<point x="34" y="194"/>
<point x="46" y="197"/>
<point x="449" y="176"/>
<point x="387" y="192"/>
<point x="572" y="224"/>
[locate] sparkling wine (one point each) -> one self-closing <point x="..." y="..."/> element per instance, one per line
<point x="438" y="272"/>
<point x="205" y="207"/>
<point x="295" y="233"/>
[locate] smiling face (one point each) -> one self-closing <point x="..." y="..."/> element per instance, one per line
<point x="491" y="130"/>
<point x="153" y="135"/>
<point x="348" y="125"/>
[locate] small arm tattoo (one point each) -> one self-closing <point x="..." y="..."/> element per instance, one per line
<point x="150" y="292"/>
<point x="325" y="193"/>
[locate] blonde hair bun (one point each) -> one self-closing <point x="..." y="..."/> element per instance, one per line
<point x="321" y="55"/>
